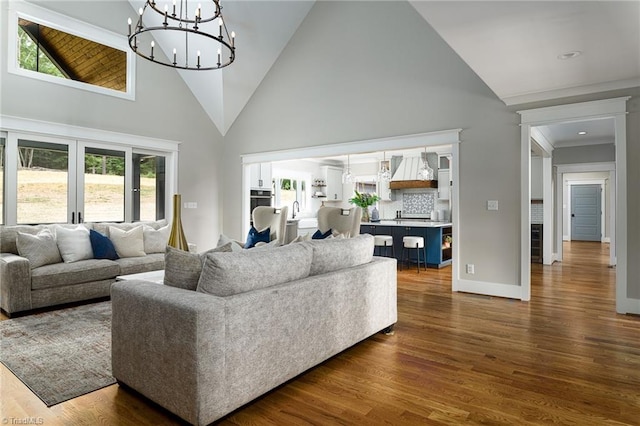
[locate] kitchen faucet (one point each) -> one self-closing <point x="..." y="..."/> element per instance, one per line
<point x="293" y="209"/>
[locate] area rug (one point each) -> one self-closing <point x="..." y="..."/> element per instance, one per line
<point x="60" y="354"/>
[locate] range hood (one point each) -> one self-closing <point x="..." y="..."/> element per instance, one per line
<point x="406" y="175"/>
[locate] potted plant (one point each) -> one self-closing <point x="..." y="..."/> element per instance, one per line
<point x="364" y="200"/>
<point x="447" y="241"/>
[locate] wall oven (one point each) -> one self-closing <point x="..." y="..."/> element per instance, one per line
<point x="259" y="197"/>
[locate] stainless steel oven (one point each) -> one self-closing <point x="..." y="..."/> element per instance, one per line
<point x="259" y="197"/>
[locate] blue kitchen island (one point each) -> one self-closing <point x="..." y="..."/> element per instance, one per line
<point x="434" y="233"/>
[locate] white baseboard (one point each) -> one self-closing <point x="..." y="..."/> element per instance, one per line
<point x="630" y="306"/>
<point x="490" y="289"/>
<point x="565" y="238"/>
<point x="606" y="240"/>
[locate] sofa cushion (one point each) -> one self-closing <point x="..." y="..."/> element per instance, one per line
<point x="64" y="274"/>
<point x="136" y="265"/>
<point x="74" y="243"/>
<point x="128" y="243"/>
<point x="103" y="227"/>
<point x="319" y="235"/>
<point x="254" y="237"/>
<point x="225" y="274"/>
<point x="9" y="233"/>
<point x="41" y="249"/>
<point x="182" y="269"/>
<point x="155" y="240"/>
<point x="102" y="246"/>
<point x="338" y="253"/>
<point x="235" y="246"/>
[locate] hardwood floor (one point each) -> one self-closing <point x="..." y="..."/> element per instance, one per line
<point x="565" y="357"/>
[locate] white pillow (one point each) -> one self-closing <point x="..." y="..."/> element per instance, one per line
<point x="41" y="249"/>
<point x="128" y="243"/>
<point x="74" y="243"/>
<point x="302" y="238"/>
<point x="155" y="240"/>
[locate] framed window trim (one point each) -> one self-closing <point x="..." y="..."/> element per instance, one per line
<point x="14" y="128"/>
<point x="39" y="15"/>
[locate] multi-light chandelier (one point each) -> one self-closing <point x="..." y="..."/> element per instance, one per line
<point x="183" y="25"/>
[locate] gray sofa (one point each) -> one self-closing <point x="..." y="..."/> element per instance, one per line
<point x="23" y="288"/>
<point x="201" y="356"/>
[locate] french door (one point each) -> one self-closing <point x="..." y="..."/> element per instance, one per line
<point x="56" y="180"/>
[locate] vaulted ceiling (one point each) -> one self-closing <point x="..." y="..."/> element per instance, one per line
<point x="514" y="47"/>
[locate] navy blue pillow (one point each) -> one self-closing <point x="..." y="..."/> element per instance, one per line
<point x="256" y="237"/>
<point x="102" y="246"/>
<point x="320" y="236"/>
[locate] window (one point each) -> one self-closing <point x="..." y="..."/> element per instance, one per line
<point x="59" y="49"/>
<point x="287" y="190"/>
<point x="59" y="179"/>
<point x="43" y="182"/>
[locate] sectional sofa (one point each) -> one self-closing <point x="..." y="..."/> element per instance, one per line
<point x="25" y="286"/>
<point x="236" y="325"/>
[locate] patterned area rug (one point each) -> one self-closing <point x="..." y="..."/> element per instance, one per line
<point x="60" y="354"/>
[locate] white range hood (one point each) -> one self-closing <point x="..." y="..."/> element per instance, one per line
<point x="407" y="169"/>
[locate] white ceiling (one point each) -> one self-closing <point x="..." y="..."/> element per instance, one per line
<point x="512" y="46"/>
<point x="566" y="134"/>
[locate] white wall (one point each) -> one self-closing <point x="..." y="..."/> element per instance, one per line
<point x="164" y="108"/>
<point x="536" y="178"/>
<point x="363" y="70"/>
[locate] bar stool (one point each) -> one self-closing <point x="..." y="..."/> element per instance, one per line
<point x="386" y="242"/>
<point x="412" y="242"/>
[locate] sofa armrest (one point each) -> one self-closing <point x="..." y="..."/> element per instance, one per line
<point x="169" y="344"/>
<point x="15" y="283"/>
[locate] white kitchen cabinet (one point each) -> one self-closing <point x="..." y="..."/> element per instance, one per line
<point x="333" y="179"/>
<point x="444" y="184"/>
<point x="260" y="176"/>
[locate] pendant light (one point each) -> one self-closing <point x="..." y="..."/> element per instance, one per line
<point x="425" y="172"/>
<point x="384" y="174"/>
<point x="347" y="177"/>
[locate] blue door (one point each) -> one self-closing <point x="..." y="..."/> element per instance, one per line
<point x="586" y="212"/>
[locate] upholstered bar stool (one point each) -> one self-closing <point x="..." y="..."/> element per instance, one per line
<point x="384" y="242"/>
<point x="412" y="242"/>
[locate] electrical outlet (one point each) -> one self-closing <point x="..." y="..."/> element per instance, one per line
<point x="492" y="205"/>
<point x="471" y="268"/>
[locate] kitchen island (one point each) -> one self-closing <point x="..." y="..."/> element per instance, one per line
<point x="434" y="233"/>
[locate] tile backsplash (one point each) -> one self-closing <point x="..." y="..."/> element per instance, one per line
<point x="537" y="213"/>
<point x="417" y="203"/>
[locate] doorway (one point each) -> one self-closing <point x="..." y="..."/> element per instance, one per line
<point x="610" y="108"/>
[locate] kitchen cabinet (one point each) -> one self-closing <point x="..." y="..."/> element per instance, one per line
<point x="444" y="184"/>
<point x="333" y="180"/>
<point x="260" y="176"/>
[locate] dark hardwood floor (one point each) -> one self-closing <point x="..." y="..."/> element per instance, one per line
<point x="565" y="357"/>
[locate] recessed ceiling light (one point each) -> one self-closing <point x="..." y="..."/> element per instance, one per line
<point x="569" y="55"/>
<point x="582" y="133"/>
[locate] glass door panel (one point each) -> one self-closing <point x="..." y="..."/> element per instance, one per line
<point x="148" y="186"/>
<point x="43" y="182"/>
<point x="102" y="198"/>
<point x="2" y="151"/>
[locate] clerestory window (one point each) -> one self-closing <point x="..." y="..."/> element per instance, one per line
<point x="59" y="49"/>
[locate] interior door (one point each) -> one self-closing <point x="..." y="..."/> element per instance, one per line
<point x="586" y="212"/>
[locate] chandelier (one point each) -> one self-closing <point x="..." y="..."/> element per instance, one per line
<point x="183" y="25"/>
